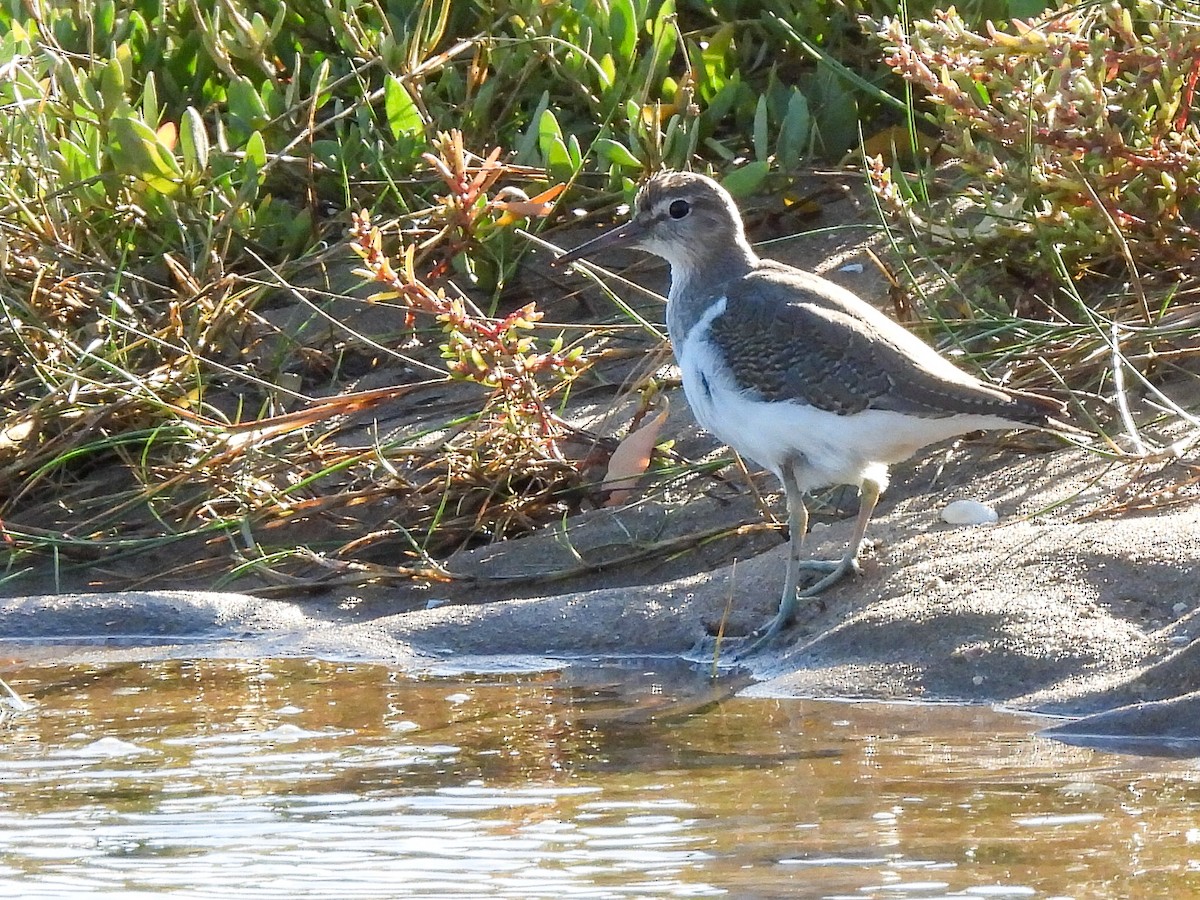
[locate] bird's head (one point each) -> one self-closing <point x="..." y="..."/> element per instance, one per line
<point x="687" y="219"/>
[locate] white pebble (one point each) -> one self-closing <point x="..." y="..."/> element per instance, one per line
<point x="1179" y="608"/>
<point x="969" y="512"/>
<point x="977" y="680"/>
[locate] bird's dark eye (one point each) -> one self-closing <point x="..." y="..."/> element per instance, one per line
<point x="679" y="208"/>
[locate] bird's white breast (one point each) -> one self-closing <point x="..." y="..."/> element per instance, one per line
<point x="823" y="448"/>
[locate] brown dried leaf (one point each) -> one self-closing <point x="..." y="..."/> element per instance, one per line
<point x="631" y="459"/>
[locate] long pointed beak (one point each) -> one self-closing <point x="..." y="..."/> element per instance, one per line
<point x="621" y="236"/>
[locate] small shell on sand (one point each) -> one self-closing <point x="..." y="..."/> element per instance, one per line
<point x="969" y="512"/>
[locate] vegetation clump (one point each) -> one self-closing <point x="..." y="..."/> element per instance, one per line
<point x="190" y="370"/>
<point x="1076" y="134"/>
<point x="1060" y="216"/>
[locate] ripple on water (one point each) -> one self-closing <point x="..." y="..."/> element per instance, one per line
<point x="306" y="779"/>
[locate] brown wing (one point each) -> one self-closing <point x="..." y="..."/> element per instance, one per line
<point x="804" y="339"/>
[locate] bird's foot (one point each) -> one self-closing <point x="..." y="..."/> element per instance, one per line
<point x="774" y="627"/>
<point x="829" y="565"/>
<point x="835" y="570"/>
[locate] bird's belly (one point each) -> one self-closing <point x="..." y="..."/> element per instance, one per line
<point x="823" y="448"/>
<point x="770" y="434"/>
<point x="776" y="435"/>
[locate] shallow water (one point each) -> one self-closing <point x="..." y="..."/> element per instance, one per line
<point x="300" y="778"/>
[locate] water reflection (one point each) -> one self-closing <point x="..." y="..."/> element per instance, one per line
<point x="298" y="778"/>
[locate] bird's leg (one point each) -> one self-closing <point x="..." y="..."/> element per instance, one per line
<point x="797" y="525"/>
<point x="868" y="497"/>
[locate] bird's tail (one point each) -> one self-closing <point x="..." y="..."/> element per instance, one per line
<point x="1041" y="411"/>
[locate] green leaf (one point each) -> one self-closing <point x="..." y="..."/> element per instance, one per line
<point x="558" y="159"/>
<point x="150" y="112"/>
<point x="616" y="153"/>
<point x="762" y="148"/>
<point x="794" y="133"/>
<point x="622" y="25"/>
<point x="609" y="69"/>
<point x="723" y="101"/>
<point x="746" y="180"/>
<point x="403" y="114"/>
<point x="193" y="140"/>
<point x="245" y="104"/>
<point x="318" y="85"/>
<point x="331" y="153"/>
<point x="79" y="88"/>
<point x="984" y="99"/>
<point x="75" y="163"/>
<point x="713" y="68"/>
<point x="256" y="150"/>
<point x="104" y="18"/>
<point x="549" y="133"/>
<point x="529" y="138"/>
<point x="663" y="34"/>
<point x="836" y="114"/>
<point x="720" y="149"/>
<point x="138" y="33"/>
<point x="137" y="151"/>
<point x="112" y="85"/>
<point x="670" y="136"/>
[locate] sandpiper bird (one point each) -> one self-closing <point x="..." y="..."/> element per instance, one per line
<point x="796" y="372"/>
